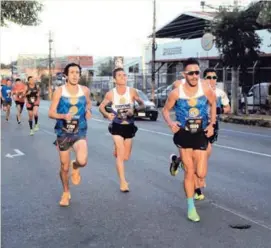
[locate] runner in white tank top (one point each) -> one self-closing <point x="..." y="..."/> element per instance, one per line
<point x="122" y="127"/>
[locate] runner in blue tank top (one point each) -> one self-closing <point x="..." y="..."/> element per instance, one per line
<point x="191" y="102"/>
<point x="71" y="107"/>
<point x="122" y="127"/>
<point x="6" y="94"/>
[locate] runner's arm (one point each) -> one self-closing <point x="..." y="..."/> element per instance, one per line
<point x="38" y="95"/>
<point x="210" y="94"/>
<point x="171" y="100"/>
<point x="138" y="99"/>
<point x="53" y="108"/>
<point x="226" y="103"/>
<point x="87" y="94"/>
<point x="107" y="99"/>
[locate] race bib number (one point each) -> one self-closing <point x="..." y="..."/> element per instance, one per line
<point x="32" y="99"/>
<point x="123" y="114"/>
<point x="193" y="125"/>
<point x="71" y="126"/>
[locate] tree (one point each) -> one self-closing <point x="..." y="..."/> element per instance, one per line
<point x="237" y="42"/>
<point x="25" y="13"/>
<point x="106" y="68"/>
<point x="4" y="66"/>
<point x="84" y="81"/>
<point x="264" y="17"/>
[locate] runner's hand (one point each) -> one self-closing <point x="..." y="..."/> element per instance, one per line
<point x="110" y="116"/>
<point x="88" y="115"/>
<point x="68" y="117"/>
<point x="174" y="126"/>
<point x="209" y="130"/>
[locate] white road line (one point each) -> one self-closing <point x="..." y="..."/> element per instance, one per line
<point x="241" y="216"/>
<point x="170" y="135"/>
<point x="242" y="150"/>
<point x="214" y="204"/>
<point x="246" y="133"/>
<point x="217" y="145"/>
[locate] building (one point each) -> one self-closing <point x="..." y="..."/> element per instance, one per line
<point x="38" y="65"/>
<point x="187" y="31"/>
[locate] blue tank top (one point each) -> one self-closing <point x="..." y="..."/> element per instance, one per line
<point x="192" y="107"/>
<point x="76" y="106"/>
<point x="123" y="107"/>
<point x="6" y="93"/>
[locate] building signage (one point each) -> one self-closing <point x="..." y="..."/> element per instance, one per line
<point x="172" y="51"/>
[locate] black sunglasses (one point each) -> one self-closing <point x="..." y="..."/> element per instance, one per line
<point x="212" y="77"/>
<point x="191" y="73"/>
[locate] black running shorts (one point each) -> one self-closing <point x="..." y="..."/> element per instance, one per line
<point x="6" y="103"/>
<point x="20" y="104"/>
<point x="125" y="131"/>
<point x="64" y="143"/>
<point x="184" y="139"/>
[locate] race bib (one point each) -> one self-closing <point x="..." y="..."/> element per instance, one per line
<point x="71" y="126"/>
<point x="123" y="114"/>
<point x="32" y="99"/>
<point x="193" y="125"/>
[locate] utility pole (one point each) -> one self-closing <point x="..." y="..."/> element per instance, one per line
<point x="154" y="47"/>
<point x="50" y="66"/>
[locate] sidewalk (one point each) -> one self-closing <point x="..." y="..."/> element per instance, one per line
<point x="252" y="119"/>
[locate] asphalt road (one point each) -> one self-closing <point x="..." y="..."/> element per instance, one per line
<point x="153" y="214"/>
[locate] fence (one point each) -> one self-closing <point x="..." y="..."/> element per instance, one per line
<point x="254" y="86"/>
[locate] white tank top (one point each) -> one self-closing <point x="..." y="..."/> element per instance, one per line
<point x="65" y="92"/>
<point x="198" y="94"/>
<point x="121" y="104"/>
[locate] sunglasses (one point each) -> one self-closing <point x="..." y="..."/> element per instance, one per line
<point x="211" y="77"/>
<point x="191" y="73"/>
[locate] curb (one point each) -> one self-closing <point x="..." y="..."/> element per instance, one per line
<point x="252" y="120"/>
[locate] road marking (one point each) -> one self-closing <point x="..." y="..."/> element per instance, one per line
<point x="241" y="215"/>
<point x="246" y="133"/>
<point x="217" y="145"/>
<point x="17" y="154"/>
<point x="48" y="132"/>
<point x="170" y="135"/>
<point x="243" y="150"/>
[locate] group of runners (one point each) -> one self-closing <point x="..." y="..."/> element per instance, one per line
<point x="21" y="94"/>
<point x="197" y="103"/>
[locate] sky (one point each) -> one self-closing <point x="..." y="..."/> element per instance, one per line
<point x="93" y="27"/>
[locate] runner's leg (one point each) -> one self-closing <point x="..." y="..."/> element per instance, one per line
<point x="36" y="117"/>
<point x="189" y="183"/>
<point x="119" y="143"/>
<point x="81" y="153"/>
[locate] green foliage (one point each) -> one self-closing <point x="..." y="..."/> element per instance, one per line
<point x="44" y="80"/>
<point x="84" y="81"/>
<point x="4" y="66"/>
<point x="235" y="36"/>
<point x="25" y="13"/>
<point x="264" y="17"/>
<point x="106" y="68"/>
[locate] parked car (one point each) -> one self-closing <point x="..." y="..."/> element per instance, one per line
<point x="150" y="111"/>
<point x="258" y="97"/>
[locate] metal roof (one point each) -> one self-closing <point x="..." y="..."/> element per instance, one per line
<point x="191" y="25"/>
<point x="188" y="25"/>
